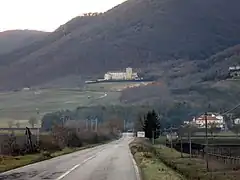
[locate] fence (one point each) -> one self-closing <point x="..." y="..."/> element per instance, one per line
<point x="231" y="161"/>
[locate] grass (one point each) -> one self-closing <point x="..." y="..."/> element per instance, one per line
<point x="195" y="168"/>
<point x="151" y="167"/>
<point x="9" y="162"/>
<point x="111" y="86"/>
<point x="22" y="105"/>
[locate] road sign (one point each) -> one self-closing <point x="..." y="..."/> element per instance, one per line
<point x="141" y="134"/>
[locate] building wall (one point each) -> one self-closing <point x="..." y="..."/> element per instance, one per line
<point x="211" y="119"/>
<point x="128" y="75"/>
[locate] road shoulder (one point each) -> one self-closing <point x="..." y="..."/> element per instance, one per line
<point x="150" y="166"/>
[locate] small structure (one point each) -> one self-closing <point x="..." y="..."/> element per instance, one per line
<point x="236" y="121"/>
<point x="141" y="134"/>
<point x="234" y="71"/>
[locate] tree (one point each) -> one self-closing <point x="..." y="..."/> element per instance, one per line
<point x="10" y="124"/>
<point x="139" y="123"/>
<point x="32" y="121"/>
<point x="236" y="129"/>
<point x="17" y="124"/>
<point x="151" y="125"/>
<point x="213" y="129"/>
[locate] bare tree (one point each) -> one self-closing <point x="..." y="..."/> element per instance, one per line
<point x="32" y="121"/>
<point x="17" y="124"/>
<point x="10" y="124"/>
<point x="11" y="143"/>
<point x="236" y="129"/>
<point x="139" y="123"/>
<point x="60" y="135"/>
<point x="213" y="129"/>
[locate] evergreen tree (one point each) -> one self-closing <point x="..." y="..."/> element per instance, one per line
<point x="151" y="125"/>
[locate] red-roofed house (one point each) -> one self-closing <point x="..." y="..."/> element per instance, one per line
<point x="211" y="119"/>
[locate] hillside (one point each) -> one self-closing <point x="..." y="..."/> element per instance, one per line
<point x="14" y="39"/>
<point x="135" y="33"/>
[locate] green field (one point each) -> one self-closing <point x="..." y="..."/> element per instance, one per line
<point x="20" y="106"/>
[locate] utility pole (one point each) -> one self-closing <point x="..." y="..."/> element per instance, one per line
<point x="181" y="133"/>
<point x="171" y="138"/>
<point x="152" y="136"/>
<point x="38" y="129"/>
<point x="87" y="124"/>
<point x="206" y="146"/>
<point x="63" y="120"/>
<point x="92" y="124"/>
<point x="96" y="124"/>
<point x="190" y="141"/>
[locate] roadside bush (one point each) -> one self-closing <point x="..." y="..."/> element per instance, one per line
<point x="46" y="154"/>
<point x="74" y="140"/>
<point x="47" y="143"/>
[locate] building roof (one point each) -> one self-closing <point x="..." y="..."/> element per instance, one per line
<point x="110" y="72"/>
<point x="209" y="118"/>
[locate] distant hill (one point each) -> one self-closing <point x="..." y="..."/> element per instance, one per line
<point x="136" y="33"/>
<point x="14" y="39"/>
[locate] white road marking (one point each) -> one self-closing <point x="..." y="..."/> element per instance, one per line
<point x="75" y="167"/>
<point x="103" y="96"/>
<point x="80" y="164"/>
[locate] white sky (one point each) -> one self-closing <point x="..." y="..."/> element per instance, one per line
<point x="47" y="15"/>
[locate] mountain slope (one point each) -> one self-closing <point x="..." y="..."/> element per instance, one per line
<point x="136" y="33"/>
<point x="14" y="39"/>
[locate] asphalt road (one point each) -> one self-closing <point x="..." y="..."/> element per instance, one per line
<point x="111" y="161"/>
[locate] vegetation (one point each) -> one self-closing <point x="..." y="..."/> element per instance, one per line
<point x="151" y="168"/>
<point x="236" y="129"/>
<point x="61" y="140"/>
<point x="193" y="168"/>
<point x="33" y="121"/>
<point x="136" y="38"/>
<point x="14" y="39"/>
<point x="151" y="125"/>
<point x="103" y="113"/>
<point x="214" y="129"/>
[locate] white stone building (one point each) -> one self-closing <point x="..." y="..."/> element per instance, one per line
<point x="128" y="75"/>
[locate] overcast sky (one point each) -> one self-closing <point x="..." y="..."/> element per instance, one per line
<point x="47" y="15"/>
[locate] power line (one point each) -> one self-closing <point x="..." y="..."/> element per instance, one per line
<point x="231" y="109"/>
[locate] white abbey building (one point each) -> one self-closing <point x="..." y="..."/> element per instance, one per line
<point x="128" y="75"/>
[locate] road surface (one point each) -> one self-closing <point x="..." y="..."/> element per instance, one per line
<point x="111" y="161"/>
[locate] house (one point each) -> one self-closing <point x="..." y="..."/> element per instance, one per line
<point x="236" y="121"/>
<point x="186" y="122"/>
<point x="212" y="118"/>
<point x="234" y="71"/>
